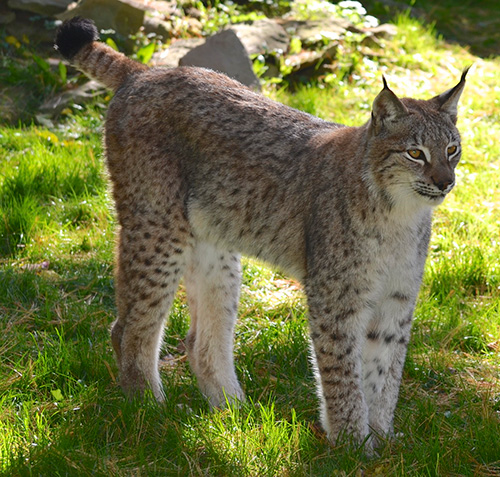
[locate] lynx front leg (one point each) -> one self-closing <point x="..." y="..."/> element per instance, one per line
<point x="213" y="282"/>
<point x="150" y="263"/>
<point x="383" y="357"/>
<point x="335" y="326"/>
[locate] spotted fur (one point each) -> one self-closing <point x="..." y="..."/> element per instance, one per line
<point x="204" y="169"/>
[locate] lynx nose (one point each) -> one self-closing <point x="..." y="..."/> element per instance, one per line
<point x="442" y="183"/>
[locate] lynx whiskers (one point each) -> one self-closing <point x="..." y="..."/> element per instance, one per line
<point x="204" y="169"/>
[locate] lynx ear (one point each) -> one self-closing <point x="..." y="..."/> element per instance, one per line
<point x="447" y="102"/>
<point x="387" y="107"/>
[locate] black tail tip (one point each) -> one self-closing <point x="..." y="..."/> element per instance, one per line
<point x="73" y="35"/>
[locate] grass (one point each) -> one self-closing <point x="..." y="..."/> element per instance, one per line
<point x="61" y="411"/>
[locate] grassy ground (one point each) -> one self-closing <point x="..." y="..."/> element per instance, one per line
<point x="61" y="411"/>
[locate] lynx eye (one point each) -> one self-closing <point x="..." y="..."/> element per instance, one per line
<point x="416" y="154"/>
<point x="451" y="150"/>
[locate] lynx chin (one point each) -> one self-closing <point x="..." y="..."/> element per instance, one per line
<point x="203" y="169"/>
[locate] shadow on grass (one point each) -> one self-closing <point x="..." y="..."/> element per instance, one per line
<point x="471" y="24"/>
<point x="64" y="414"/>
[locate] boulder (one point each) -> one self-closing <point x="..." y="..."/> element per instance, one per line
<point x="157" y="26"/>
<point x="172" y="27"/>
<point x="262" y="36"/>
<point x="307" y="58"/>
<point x="42" y="7"/>
<point x="386" y="31"/>
<point x="123" y="16"/>
<point x="223" y="52"/>
<point x="24" y="25"/>
<point x="311" y="32"/>
<point x="6" y="16"/>
<point x="83" y="93"/>
<point x="178" y="49"/>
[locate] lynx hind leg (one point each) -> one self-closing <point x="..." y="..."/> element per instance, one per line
<point x="150" y="264"/>
<point x="212" y="282"/>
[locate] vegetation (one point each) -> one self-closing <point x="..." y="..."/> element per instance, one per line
<point x="61" y="411"/>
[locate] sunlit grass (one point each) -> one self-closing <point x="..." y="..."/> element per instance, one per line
<point x="52" y="191"/>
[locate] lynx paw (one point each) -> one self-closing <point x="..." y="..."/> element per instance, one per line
<point x="134" y="384"/>
<point x="220" y="396"/>
<point x="351" y="429"/>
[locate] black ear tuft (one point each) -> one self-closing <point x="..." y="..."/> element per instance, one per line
<point x="73" y="35"/>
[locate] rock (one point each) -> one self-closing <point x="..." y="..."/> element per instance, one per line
<point x="262" y="36"/>
<point x="375" y="36"/>
<point x="311" y="32"/>
<point x="6" y="16"/>
<point x="123" y="16"/>
<point x="223" y="52"/>
<point x="34" y="29"/>
<point x="170" y="57"/>
<point x="157" y="26"/>
<point x="386" y="31"/>
<point x="308" y="58"/>
<point x="42" y="7"/>
<point x="81" y="94"/>
<point x="163" y="7"/>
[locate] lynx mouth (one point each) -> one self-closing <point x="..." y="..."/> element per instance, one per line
<point x="431" y="193"/>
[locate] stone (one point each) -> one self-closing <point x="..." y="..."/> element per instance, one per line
<point x="165" y="8"/>
<point x="262" y="36"/>
<point x="307" y="58"/>
<point x="83" y="93"/>
<point x="385" y="31"/>
<point x="123" y="16"/>
<point x="170" y="56"/>
<point x="311" y="32"/>
<point x="225" y="53"/>
<point x="157" y="26"/>
<point x="6" y="16"/>
<point x="34" y="29"/>
<point x="42" y="7"/>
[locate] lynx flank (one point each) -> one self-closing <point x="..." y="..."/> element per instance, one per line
<point x="204" y="169"/>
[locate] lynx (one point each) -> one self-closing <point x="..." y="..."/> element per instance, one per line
<point x="203" y="169"/>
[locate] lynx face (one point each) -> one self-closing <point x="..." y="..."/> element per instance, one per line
<point x="422" y="149"/>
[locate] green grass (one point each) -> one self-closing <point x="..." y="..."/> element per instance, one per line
<point x="61" y="411"/>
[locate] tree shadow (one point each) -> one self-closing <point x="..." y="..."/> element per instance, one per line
<point x="472" y="24"/>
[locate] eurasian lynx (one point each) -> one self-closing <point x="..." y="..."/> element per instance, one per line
<point x="204" y="169"/>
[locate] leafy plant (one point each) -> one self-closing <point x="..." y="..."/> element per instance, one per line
<point x="22" y="67"/>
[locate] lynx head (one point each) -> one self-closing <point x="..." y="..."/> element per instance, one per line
<point x="414" y="146"/>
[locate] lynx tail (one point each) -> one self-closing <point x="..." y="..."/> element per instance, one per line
<point x="76" y="40"/>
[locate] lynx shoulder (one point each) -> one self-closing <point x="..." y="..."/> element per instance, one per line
<point x="204" y="169"/>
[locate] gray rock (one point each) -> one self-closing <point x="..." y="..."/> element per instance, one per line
<point x="33" y="29"/>
<point x="314" y="31"/>
<point x="223" y="52"/>
<point x="42" y="7"/>
<point x="123" y="16"/>
<point x="170" y="57"/>
<point x="81" y="94"/>
<point x="157" y="26"/>
<point x="6" y="16"/>
<point x="262" y="36"/>
<point x="386" y="31"/>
